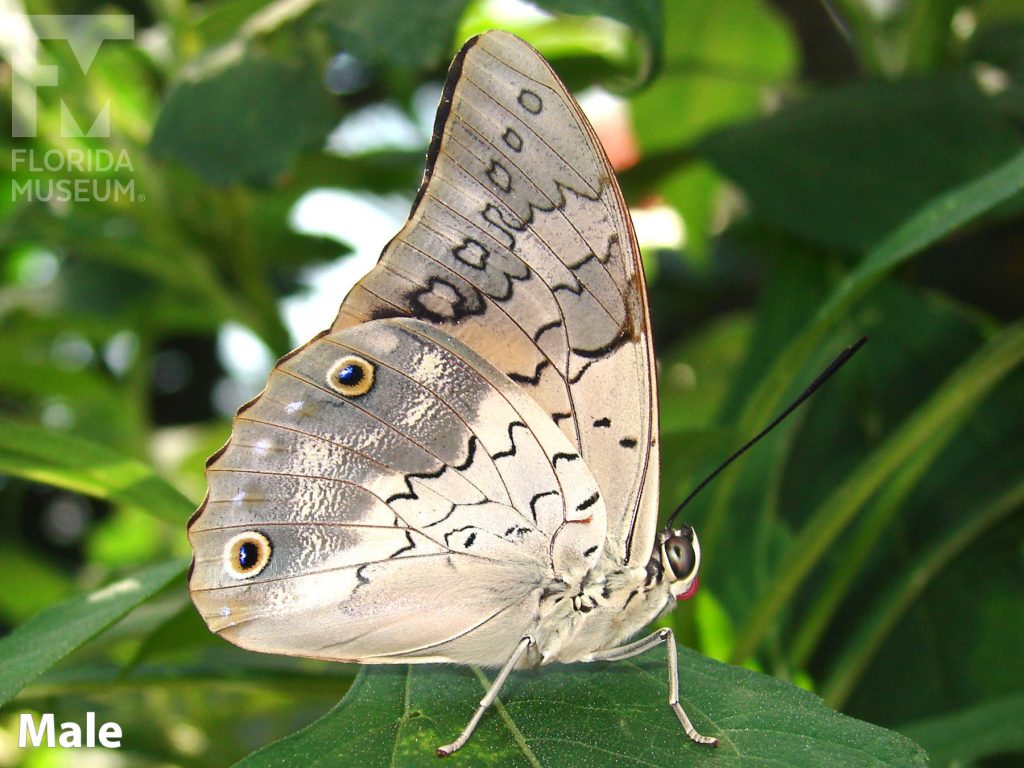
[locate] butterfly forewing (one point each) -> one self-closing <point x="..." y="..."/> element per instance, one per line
<point x="519" y="245"/>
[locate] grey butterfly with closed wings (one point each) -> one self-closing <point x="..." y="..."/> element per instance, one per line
<point x="464" y="468"/>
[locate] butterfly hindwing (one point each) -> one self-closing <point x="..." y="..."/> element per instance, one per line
<point x="443" y="491"/>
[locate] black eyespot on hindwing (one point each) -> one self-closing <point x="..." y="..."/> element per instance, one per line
<point x="246" y="554"/>
<point x="351" y="376"/>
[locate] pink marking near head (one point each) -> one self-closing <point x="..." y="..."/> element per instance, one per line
<point x="691" y="591"/>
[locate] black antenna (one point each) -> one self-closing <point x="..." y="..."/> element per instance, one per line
<point x="824" y="376"/>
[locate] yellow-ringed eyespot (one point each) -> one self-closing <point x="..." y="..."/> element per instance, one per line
<point x="351" y="376"/>
<point x="246" y="554"/>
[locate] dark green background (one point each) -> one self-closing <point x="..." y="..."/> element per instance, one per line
<point x="840" y="172"/>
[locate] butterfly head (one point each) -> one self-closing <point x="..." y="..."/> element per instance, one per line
<point x="679" y="550"/>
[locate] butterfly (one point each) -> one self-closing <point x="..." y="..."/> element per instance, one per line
<point x="465" y="467"/>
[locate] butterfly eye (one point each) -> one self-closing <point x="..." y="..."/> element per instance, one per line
<point x="247" y="554"/>
<point x="680" y="555"/>
<point x="351" y="376"/>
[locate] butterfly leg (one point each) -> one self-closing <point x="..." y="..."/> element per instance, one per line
<point x="645" y="644"/>
<point x="489" y="697"/>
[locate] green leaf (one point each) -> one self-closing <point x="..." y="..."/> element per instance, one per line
<point x="27" y="582"/>
<point x="601" y="714"/>
<point x="642" y="16"/>
<point x="941" y="216"/>
<point x="246" y="122"/>
<point x="715" y="74"/>
<point x="938" y="218"/>
<point x="693" y="190"/>
<point x="873" y="523"/>
<point x="394" y="33"/>
<point x="78" y="465"/>
<point x="52" y="634"/>
<point x="957" y="396"/>
<point x="847" y="167"/>
<point x="906" y="326"/>
<point x="962" y="738"/>
<point x="865" y="641"/>
<point x="715" y="71"/>
<point x="94" y="396"/>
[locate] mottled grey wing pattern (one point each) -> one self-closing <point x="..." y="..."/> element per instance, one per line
<point x="412" y="522"/>
<point x="519" y="244"/>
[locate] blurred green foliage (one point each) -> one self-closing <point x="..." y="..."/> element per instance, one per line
<point x="840" y="168"/>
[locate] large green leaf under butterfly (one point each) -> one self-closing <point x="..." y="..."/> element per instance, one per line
<point x="608" y="715"/>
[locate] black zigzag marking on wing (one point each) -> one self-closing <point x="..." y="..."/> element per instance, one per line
<point x="443" y="133"/>
<point x="564" y="457"/>
<point x="579" y="374"/>
<point x="537" y="497"/>
<point x="499" y="176"/>
<point x="545" y="328"/>
<point x="588" y="503"/>
<point x="448" y="514"/>
<point x="471" y="247"/>
<point x="534" y="380"/>
<point x="557" y="417"/>
<point x="589" y="551"/>
<point x="464" y="253"/>
<point x="511" y="451"/>
<point x="407" y="479"/>
<point x="472" y="253"/>
<point x="605" y="349"/>
<point x="470" y="454"/>
<point x="363" y="581"/>
<point x="411" y="494"/>
<point x="589" y="257"/>
<point x="577" y="289"/>
<point x="509" y="224"/>
<point x="624" y="333"/>
<point x="613" y="240"/>
<point x="440" y="131"/>
<point x="603" y="422"/>
<point x="470" y="539"/>
<point x="451" y="511"/>
<point x="509" y="288"/>
<point x="406" y="548"/>
<point x="491" y="270"/>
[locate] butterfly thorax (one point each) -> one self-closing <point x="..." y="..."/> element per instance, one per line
<point x="615" y="601"/>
